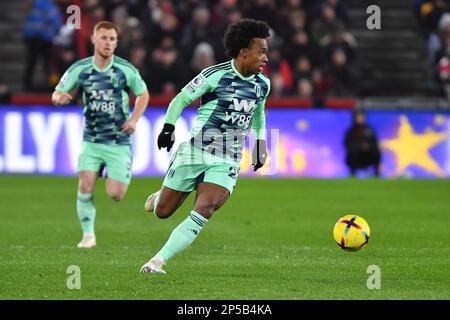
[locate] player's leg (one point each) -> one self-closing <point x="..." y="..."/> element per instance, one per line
<point x="181" y="178"/>
<point x="210" y="197"/>
<point x="212" y="193"/>
<point x="165" y="202"/>
<point x="118" y="160"/>
<point x="89" y="163"/>
<point x="86" y="208"/>
<point x="116" y="190"/>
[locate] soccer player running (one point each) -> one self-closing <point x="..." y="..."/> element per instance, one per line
<point x="233" y="97"/>
<point x="103" y="79"/>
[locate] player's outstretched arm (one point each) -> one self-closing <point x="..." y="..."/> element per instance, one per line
<point x="166" y="138"/>
<point x="191" y="92"/>
<point x="139" y="108"/>
<point x="259" y="154"/>
<point x="61" y="98"/>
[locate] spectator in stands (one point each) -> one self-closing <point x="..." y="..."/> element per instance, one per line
<point x="430" y="14"/>
<point x="226" y="13"/>
<point x="288" y="7"/>
<point x="261" y="10"/>
<point x="119" y="16"/>
<point x="162" y="36"/>
<point x="439" y="55"/>
<point x="302" y="69"/>
<point x="63" y="52"/>
<point x="296" y="22"/>
<point x="340" y="9"/>
<point x="279" y="66"/>
<point x="220" y="12"/>
<point x="361" y="145"/>
<point x="344" y="76"/>
<point x="184" y="9"/>
<point x="278" y="69"/>
<point x="326" y="24"/>
<point x="196" y="31"/>
<point x="167" y="71"/>
<point x="138" y="55"/>
<point x="42" y="22"/>
<point x="161" y="21"/>
<point x="92" y="13"/>
<point x="300" y="45"/>
<point x="321" y="83"/>
<point x="5" y="94"/>
<point x="338" y="40"/>
<point x="202" y="58"/>
<point x="66" y="56"/>
<point x="304" y="88"/>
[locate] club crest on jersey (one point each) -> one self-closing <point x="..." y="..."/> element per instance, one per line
<point x="197" y="81"/>
<point x="258" y="90"/>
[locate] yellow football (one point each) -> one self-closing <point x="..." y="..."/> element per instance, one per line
<point x="351" y="232"/>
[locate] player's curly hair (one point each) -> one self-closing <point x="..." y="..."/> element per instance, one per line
<point x="240" y="34"/>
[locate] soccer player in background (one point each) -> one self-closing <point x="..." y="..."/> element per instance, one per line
<point x="233" y="97"/>
<point x="103" y="79"/>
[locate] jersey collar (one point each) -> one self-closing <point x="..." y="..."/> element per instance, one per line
<point x="240" y="75"/>
<point x="107" y="67"/>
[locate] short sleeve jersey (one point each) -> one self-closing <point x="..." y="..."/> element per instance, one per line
<point x="105" y="97"/>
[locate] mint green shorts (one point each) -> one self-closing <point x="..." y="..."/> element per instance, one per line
<point x="116" y="158"/>
<point x="185" y="173"/>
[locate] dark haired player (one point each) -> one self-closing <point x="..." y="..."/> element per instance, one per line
<point x="233" y="97"/>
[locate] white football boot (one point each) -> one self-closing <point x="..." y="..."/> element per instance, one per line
<point x="149" y="205"/>
<point x="88" y="241"/>
<point x="154" y="266"/>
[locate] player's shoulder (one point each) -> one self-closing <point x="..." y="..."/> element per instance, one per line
<point x="124" y="63"/>
<point x="216" y="69"/>
<point x="264" y="78"/>
<point x="81" y="64"/>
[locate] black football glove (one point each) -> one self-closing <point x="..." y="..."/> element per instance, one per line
<point x="166" y="138"/>
<point x="259" y="154"/>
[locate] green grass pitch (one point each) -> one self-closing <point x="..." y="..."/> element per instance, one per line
<point x="272" y="240"/>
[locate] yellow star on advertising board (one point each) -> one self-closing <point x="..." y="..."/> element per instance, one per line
<point x="412" y="148"/>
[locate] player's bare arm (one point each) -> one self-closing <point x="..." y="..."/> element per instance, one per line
<point x="61" y="98"/>
<point x="139" y="108"/>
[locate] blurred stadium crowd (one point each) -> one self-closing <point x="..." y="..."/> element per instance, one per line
<point x="311" y="51"/>
<point x="434" y="20"/>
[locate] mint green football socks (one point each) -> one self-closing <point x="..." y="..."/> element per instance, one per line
<point x="183" y="235"/>
<point x="86" y="212"/>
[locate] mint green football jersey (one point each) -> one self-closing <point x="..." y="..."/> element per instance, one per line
<point x="231" y="105"/>
<point x="105" y="97"/>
